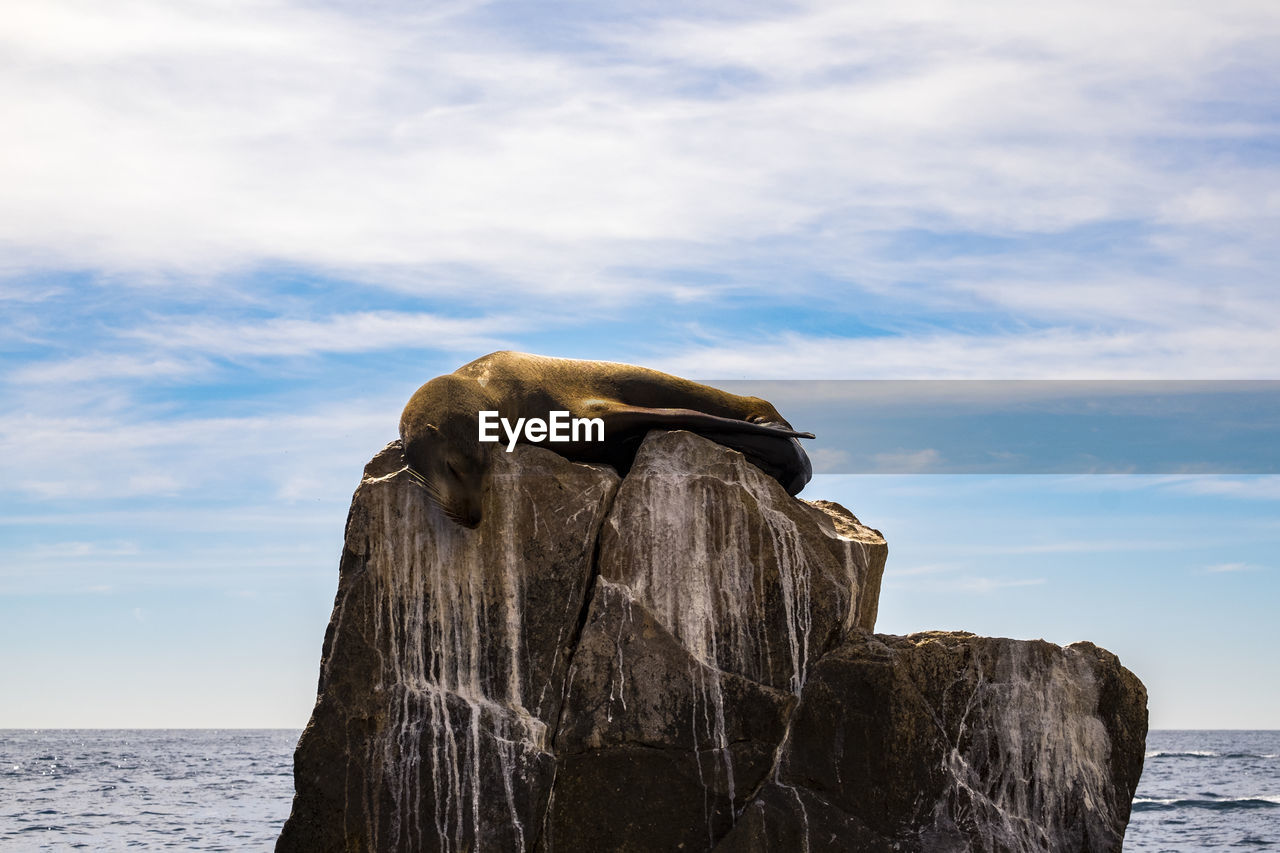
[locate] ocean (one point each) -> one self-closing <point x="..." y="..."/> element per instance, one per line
<point x="105" y="790"/>
<point x="1207" y="790"/>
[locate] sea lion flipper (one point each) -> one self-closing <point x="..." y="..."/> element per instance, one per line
<point x="781" y="458"/>
<point x="622" y="417"/>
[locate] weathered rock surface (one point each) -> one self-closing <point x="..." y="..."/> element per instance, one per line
<point x="947" y="741"/>
<point x="445" y="661"/>
<point x="680" y="661"/>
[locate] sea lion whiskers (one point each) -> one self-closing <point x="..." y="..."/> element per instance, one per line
<point x="440" y="497"/>
<point x="423" y="483"/>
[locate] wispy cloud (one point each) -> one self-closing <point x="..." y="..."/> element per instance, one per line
<point x="82" y="550"/>
<point x="115" y="455"/>
<point x="830" y="460"/>
<point x="346" y="333"/>
<point x="1006" y="193"/>
<point x="1248" y="488"/>
<point x="908" y="462"/>
<point x="1220" y="568"/>
<point x="961" y="583"/>
<point x="390" y="141"/>
<point x="951" y="577"/>
<point x="1075" y="546"/>
<point x="991" y="584"/>
<point x="925" y="569"/>
<point x="92" y="368"/>
<point x="168" y="348"/>
<point x="1208" y="353"/>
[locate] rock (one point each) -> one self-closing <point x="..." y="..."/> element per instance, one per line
<point x="947" y="741"/>
<point x="680" y="661"/>
<point x="661" y="747"/>
<point x="717" y="590"/>
<point x="749" y="579"/>
<point x="445" y="661"/>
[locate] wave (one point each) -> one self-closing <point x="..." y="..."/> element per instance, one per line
<point x="1207" y="753"/>
<point x="1146" y="804"/>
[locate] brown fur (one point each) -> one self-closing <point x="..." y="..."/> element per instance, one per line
<point x="439" y="425"/>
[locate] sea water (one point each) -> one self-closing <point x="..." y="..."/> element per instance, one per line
<point x="105" y="790"/>
<point x="1207" y="790"/>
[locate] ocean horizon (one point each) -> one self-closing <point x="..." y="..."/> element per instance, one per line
<point x="231" y="789"/>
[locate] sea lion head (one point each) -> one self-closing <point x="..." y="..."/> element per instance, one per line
<point x="439" y="433"/>
<point x="453" y="476"/>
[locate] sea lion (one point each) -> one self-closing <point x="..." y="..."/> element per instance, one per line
<point x="439" y="426"/>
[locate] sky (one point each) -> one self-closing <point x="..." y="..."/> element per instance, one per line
<point x="235" y="237"/>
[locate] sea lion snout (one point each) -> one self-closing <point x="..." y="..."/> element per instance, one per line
<point x="458" y="493"/>
<point x="454" y="477"/>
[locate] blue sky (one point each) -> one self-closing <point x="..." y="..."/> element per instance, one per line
<point x="235" y="237"/>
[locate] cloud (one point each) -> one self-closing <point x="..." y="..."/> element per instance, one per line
<point x="1204" y="353"/>
<point x="830" y="460"/>
<point x="1220" y="568"/>
<point x="926" y="569"/>
<point x="407" y="145"/>
<point x="82" y="550"/>
<point x="93" y="368"/>
<point x="118" y="455"/>
<point x="975" y="584"/>
<point x="1263" y="487"/>
<point x="908" y="462"/>
<point x="1005" y="193"/>
<point x="180" y="349"/>
<point x="967" y="583"/>
<point x="1244" y="487"/>
<point x="344" y="333"/>
<point x="1075" y="546"/>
